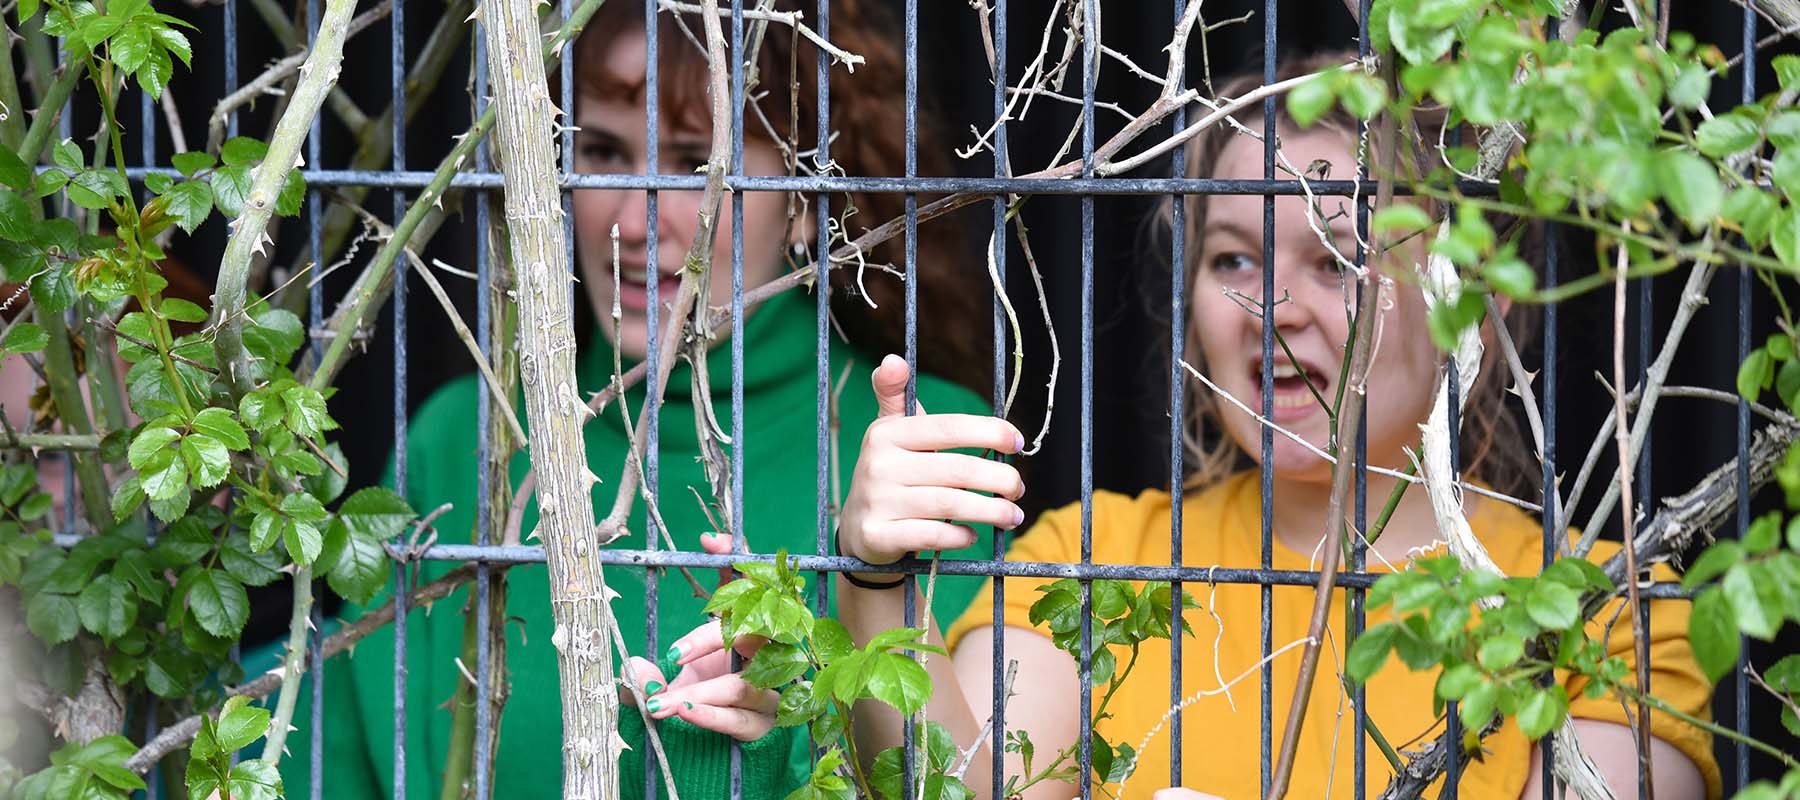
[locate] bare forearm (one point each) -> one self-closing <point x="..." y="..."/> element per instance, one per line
<point x="877" y="726"/>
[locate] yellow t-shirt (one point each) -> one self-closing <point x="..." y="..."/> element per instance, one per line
<point x="1221" y="745"/>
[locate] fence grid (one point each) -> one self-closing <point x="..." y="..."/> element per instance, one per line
<point x="486" y="555"/>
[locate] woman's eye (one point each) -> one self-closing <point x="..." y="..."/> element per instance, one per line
<point x="598" y="154"/>
<point x="1231" y="262"/>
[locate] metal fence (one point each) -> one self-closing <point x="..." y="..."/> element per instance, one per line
<point x="403" y="178"/>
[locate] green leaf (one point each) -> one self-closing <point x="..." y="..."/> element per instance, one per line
<point x="261" y="410"/>
<point x="240" y="151"/>
<point x="1713" y="633"/>
<point x="25" y="337"/>
<point x="1310" y="100"/>
<point x="52" y="618"/>
<point x="255" y="779"/>
<point x="206" y="458"/>
<point x="1401" y="218"/>
<point x="1755" y="374"/>
<point x="1457" y="681"/>
<point x="1111" y="598"/>
<point x="274" y="334"/>
<point x="1754" y="211"/>
<point x="1543" y="710"/>
<point x="306" y="411"/>
<point x="190" y="164"/>
<point x="164" y="475"/>
<point x="96" y="189"/>
<point x="361" y="569"/>
<point x="218" y="424"/>
<point x="105" y="757"/>
<point x="377" y="512"/>
<point x="832" y="640"/>
<point x="67" y="154"/>
<point x="1362" y="94"/>
<point x="898" y="681"/>
<point x="130" y="48"/>
<point x="1477" y="707"/>
<point x="1784" y="237"/>
<point x="15" y="217"/>
<point x="251" y="567"/>
<point x="1726" y="135"/>
<point x="293" y="193"/>
<point x="230" y="185"/>
<point x="1370" y="651"/>
<point x="1691" y="185"/>
<point x="1787" y="71"/>
<point x="1764" y="533"/>
<point x="14" y="172"/>
<point x="798" y="705"/>
<point x="1510" y="276"/>
<point x="774" y="665"/>
<point x="216" y="599"/>
<point x="149" y="443"/>
<point x="1756" y="617"/>
<point x="189" y="203"/>
<point x="239" y="725"/>
<point x="1500" y="651"/>
<point x="1553" y="605"/>
<point x="108" y="607"/>
<point x="304" y="540"/>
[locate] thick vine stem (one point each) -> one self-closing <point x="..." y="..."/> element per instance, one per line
<point x="12" y="106"/>
<point x="579" y="597"/>
<point x="1679" y="519"/>
<point x="175" y="736"/>
<point x="292" y="664"/>
<point x="460" y="762"/>
<point x="49" y="441"/>
<point x="248" y="231"/>
<point x="37" y="137"/>
<point x="65" y="392"/>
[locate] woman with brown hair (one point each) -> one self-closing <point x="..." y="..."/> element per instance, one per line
<point x="780" y="384"/>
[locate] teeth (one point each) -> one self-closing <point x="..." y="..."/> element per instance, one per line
<point x="1293" y="399"/>
<point x="1286" y="371"/>
<point x="634" y="275"/>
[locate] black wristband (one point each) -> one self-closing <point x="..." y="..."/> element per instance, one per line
<point x="861" y="583"/>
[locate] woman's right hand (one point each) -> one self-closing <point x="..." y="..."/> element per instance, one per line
<point x="906" y="496"/>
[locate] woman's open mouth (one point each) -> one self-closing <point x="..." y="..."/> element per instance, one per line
<point x="1292" y="397"/>
<point x="634" y="290"/>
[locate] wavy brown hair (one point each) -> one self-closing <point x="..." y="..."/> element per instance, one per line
<point x="868" y="129"/>
<point x="1493" y="446"/>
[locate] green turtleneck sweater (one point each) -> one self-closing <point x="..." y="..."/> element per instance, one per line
<point x="781" y="473"/>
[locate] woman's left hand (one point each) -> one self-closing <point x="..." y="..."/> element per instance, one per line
<point x="707" y="693"/>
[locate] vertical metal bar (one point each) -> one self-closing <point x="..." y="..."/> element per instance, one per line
<point x="1002" y="166"/>
<point x="653" y="401"/>
<point x="1452" y="722"/>
<point x="822" y="304"/>
<point x="738" y="449"/>
<point x="1551" y="498"/>
<point x="484" y="448"/>
<point x="397" y="134"/>
<point x="230" y="66"/>
<point x="315" y="322"/>
<point x="910" y="244"/>
<point x="1090" y="60"/>
<point x="1740" y="677"/>
<point x="1359" y="715"/>
<point x="1268" y="394"/>
<point x="1177" y="412"/>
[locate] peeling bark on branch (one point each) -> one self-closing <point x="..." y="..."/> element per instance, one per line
<point x="578" y="594"/>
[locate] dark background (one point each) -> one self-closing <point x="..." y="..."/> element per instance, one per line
<point x="1130" y="378"/>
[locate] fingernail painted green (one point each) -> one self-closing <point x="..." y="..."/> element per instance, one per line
<point x="654" y="705"/>
<point x="653" y="687"/>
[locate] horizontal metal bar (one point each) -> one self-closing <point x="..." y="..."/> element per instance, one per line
<point x="1011" y="569"/>
<point x="808" y="183"/>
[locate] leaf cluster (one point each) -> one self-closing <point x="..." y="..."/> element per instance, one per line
<point x="1493" y="640"/>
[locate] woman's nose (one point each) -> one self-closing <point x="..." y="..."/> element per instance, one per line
<point x="633" y="218"/>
